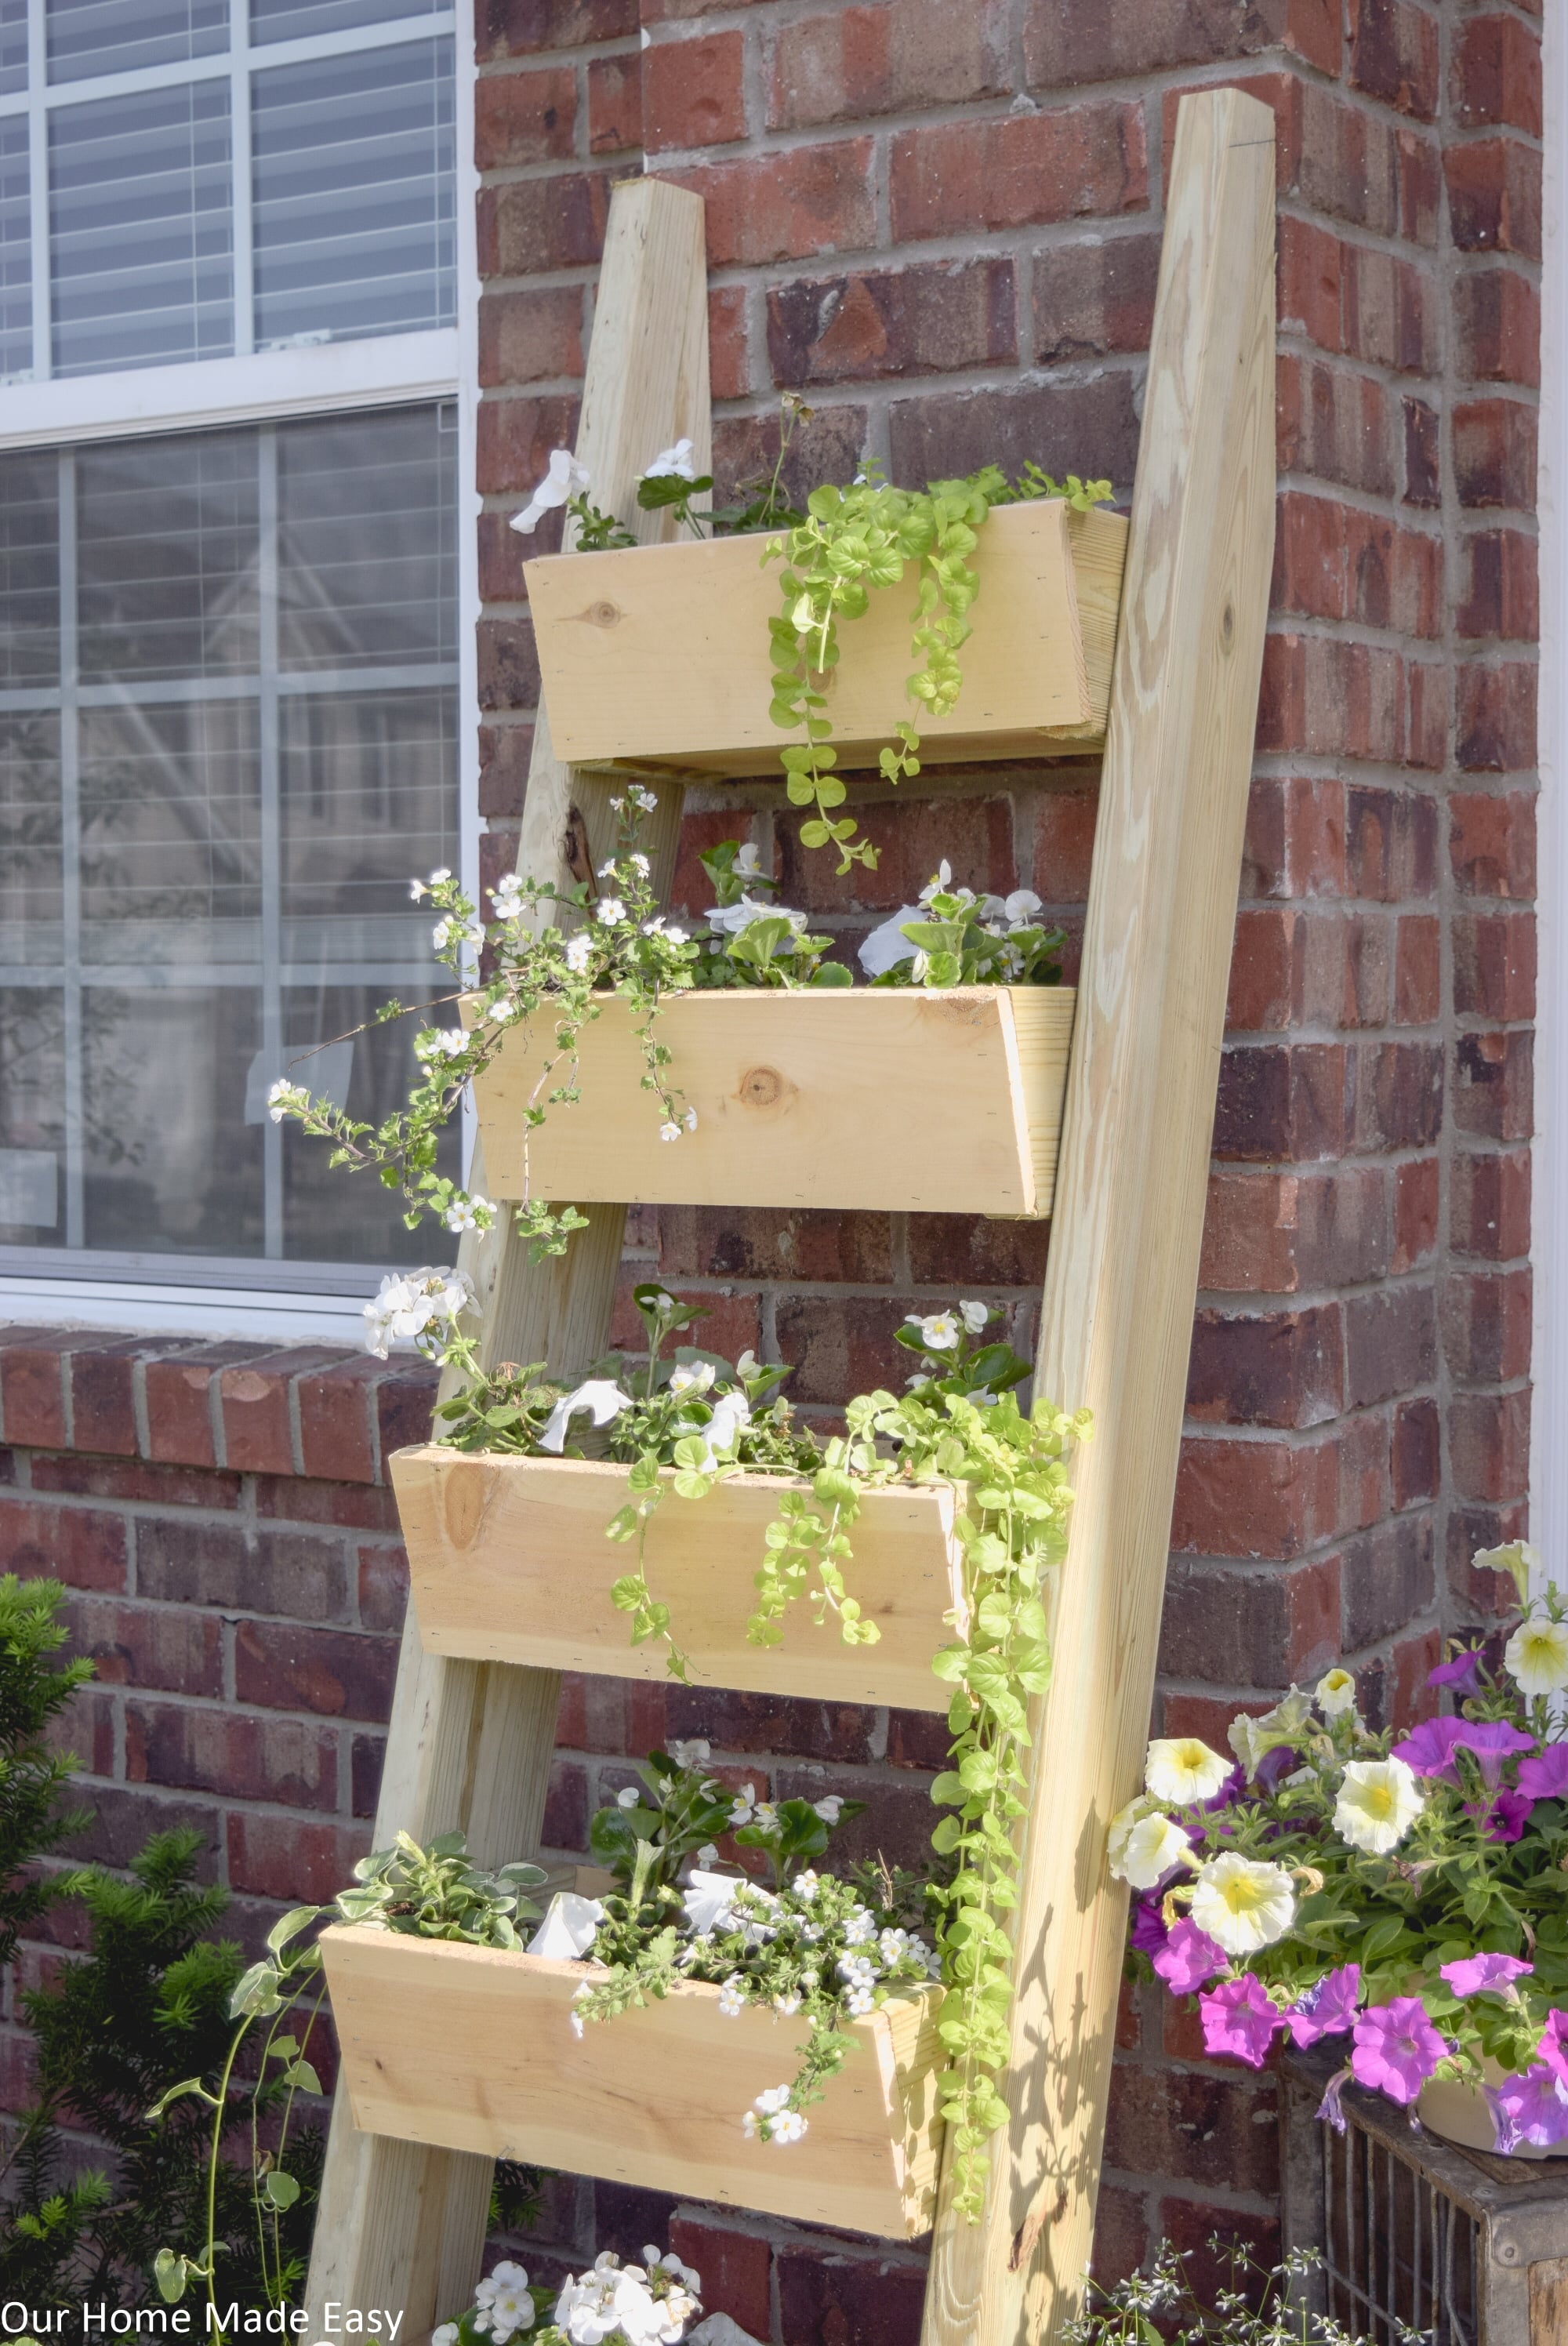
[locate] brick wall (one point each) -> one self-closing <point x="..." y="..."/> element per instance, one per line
<point x="942" y="224"/>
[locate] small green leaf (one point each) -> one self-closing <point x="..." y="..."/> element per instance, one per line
<point x="279" y="2190"/>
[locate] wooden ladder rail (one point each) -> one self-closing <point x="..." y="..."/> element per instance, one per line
<point x="1122" y="1273"/>
<point x="469" y="1745"/>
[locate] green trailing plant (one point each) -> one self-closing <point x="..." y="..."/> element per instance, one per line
<point x="437" y="1894"/>
<point x="1252" y="2304"/>
<point x="33" y="1824"/>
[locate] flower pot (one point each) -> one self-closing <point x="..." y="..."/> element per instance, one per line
<point x="896" y="1100"/>
<point x="662" y="652"/>
<point x="470" y="2048"/>
<point x="509" y="1562"/>
<point x="1460" y="2112"/>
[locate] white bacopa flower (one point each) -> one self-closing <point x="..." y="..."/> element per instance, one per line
<point x="470" y="1214"/>
<point x="578" y="948"/>
<point x="641" y="797"/>
<point x="668" y="1131"/>
<point x="806" y="1883"/>
<point x="672" y="464"/>
<point x="609" y="909"/>
<point x="565" y="478"/>
<point x="601" y="1399"/>
<point x="1181" y="1769"/>
<point x="690" y="1120"/>
<point x="1537" y="1655"/>
<point x="408" y="1303"/>
<point x="1379" y="1801"/>
<point x="1144" y="1845"/>
<point x="939" y="1330"/>
<point x="1243" y="1903"/>
<point x="788" y="2127"/>
<point x="787" y="2006"/>
<point x="418" y="890"/>
<point x="747" y="861"/>
<point x="444" y="2334"/>
<point x="732" y="1996"/>
<point x="860" y="1925"/>
<point x="1335" y="1693"/>
<point x="976" y="1317"/>
<point x="284" y="1095"/>
<point x="708" y="1854"/>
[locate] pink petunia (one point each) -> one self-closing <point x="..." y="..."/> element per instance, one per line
<point x="1545" y="1777"/>
<point x="1553" y="2049"/>
<point x="1328" y="2009"/>
<point x="1504" y="1818"/>
<point x="1188" y="1957"/>
<point x="1532" y="2108"/>
<point x="1148" y="1933"/>
<point x="1476" y="1974"/>
<point x="1239" y="2019"/>
<point x="1429" y="1748"/>
<point x="1463" y="1673"/>
<point x="1397" y="2048"/>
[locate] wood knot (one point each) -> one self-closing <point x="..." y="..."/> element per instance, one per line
<point x="602" y="614"/>
<point x="761" y="1087"/>
<point x="1228" y="625"/>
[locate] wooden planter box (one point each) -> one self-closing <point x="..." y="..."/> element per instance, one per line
<point x="849" y="1097"/>
<point x="509" y="1562"/>
<point x="662" y="652"/>
<point x="472" y="2049"/>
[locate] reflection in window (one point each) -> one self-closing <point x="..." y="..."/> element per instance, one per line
<point x="238" y="743"/>
<point x="89" y="37"/>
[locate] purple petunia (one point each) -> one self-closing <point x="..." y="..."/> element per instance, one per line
<point x="1148" y="1933"/>
<point x="1429" y="1748"/>
<point x="1188" y="1957"/>
<point x="1505" y="1817"/>
<point x="1397" y="2048"/>
<point x="1328" y="2108"/>
<point x="1476" y="1974"/>
<point x="1239" y="2019"/>
<point x="1545" y="1777"/>
<point x="1463" y="1673"/>
<point x="1532" y="2107"/>
<point x="1329" y="2008"/>
<point x="1553" y="2046"/>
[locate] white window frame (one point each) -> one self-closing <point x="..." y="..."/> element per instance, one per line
<point x="308" y="378"/>
<point x="1549" y="1191"/>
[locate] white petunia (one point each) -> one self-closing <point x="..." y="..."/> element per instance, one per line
<point x="886" y="947"/>
<point x="1243" y="1903"/>
<point x="1144" y="1845"/>
<point x="1378" y="1801"/>
<point x="707" y="1896"/>
<point x="565" y="478"/>
<point x="1335" y="1693"/>
<point x="602" y="1399"/>
<point x="1181" y="1768"/>
<point x="1517" y="1558"/>
<point x="939" y="1330"/>
<point x="672" y="464"/>
<point x="568" y="1928"/>
<point x="1537" y="1655"/>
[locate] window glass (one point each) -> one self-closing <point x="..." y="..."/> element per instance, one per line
<point x="15" y="251"/>
<point x="13" y="46"/>
<point x="89" y="37"/>
<point x="353" y="206"/>
<point x="293" y="20"/>
<point x="237" y="653"/>
<point x="141" y="230"/>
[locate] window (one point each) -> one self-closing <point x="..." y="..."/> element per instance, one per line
<point x="229" y="667"/>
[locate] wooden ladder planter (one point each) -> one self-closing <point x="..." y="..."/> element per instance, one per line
<point x="404" y="2212"/>
<point x="1037" y="669"/>
<point x="836" y="1097"/>
<point x="509" y="1562"/>
<point x="472" y="2049"/>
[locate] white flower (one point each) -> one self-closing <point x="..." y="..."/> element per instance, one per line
<point x="668" y="1131"/>
<point x="708" y="1854"/>
<point x="470" y="1214"/>
<point x="693" y="1753"/>
<point x="645" y="799"/>
<point x="568" y="1928"/>
<point x="1242" y="1903"/>
<point x="806" y="1884"/>
<point x="886" y="947"/>
<point x="690" y="1120"/>
<point x="1181" y="1769"/>
<point x="731" y="1415"/>
<point x="732" y="1996"/>
<point x="628" y="1797"/>
<point x="1021" y="907"/>
<point x="690" y="1379"/>
<point x="407" y="1303"/>
<point x="441" y="1043"/>
<point x="937" y="1329"/>
<point x="602" y="1399"/>
<point x="672" y="464"/>
<point x="1537" y="1655"/>
<point x="746" y="863"/>
<point x="827" y="1806"/>
<point x="857" y="2002"/>
<point x="976" y="1317"/>
<point x="860" y="1924"/>
<point x="942" y="883"/>
<point x="1252" y="1740"/>
<point x="444" y="2334"/>
<point x="745" y="1802"/>
<point x="1378" y="1801"/>
<point x="1335" y="1693"/>
<point x="578" y="948"/>
<point x="1518" y="1559"/>
<point x="707" y="1897"/>
<point x="608" y="909"/>
<point x="565" y="478"/>
<point x="1144" y="1845"/>
<point x="282" y="1096"/>
<point x="417" y="890"/>
<point x="788" y="2127"/>
<point x="639" y="865"/>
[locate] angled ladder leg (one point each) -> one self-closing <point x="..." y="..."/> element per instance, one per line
<point x="469" y="1744"/>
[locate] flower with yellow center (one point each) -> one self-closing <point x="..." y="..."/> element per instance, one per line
<point x="1537" y="1655"/>
<point x="1242" y="1903"/>
<point x="1144" y="1845"/>
<point x="1182" y="1770"/>
<point x="1378" y="1801"/>
<point x="1335" y="1693"/>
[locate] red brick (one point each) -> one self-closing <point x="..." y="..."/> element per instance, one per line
<point x="1083" y="427"/>
<point x="349" y="1506"/>
<point x="1486" y="1326"/>
<point x="288" y="1858"/>
<point x="179" y="1403"/>
<point x="515" y="438"/>
<point x="404" y="1404"/>
<point x="226" y="1752"/>
<point x="103" y="1403"/>
<point x="1493" y="1085"/>
<point x="31" y="1391"/>
<point x="529" y="226"/>
<point x="839" y="1345"/>
<point x="1394" y="55"/>
<point x="1390" y="843"/>
<point x="785" y="205"/>
<point x="147" y="1646"/>
<point x="1494" y="197"/>
<point x="334" y="1422"/>
<point x="1094" y="298"/>
<point x="1352" y="165"/>
<point x="1489" y="1444"/>
<point x="509" y="663"/>
<point x="1415" y="1452"/>
<point x="532" y="335"/>
<point x="1329" y="696"/>
<point x="1251" y="1628"/>
<point x="1422" y="452"/>
<point x="1270" y="1233"/>
<point x="1497" y="74"/>
<point x="830" y="2292"/>
<point x="113" y="1478"/>
<point x="756" y="1242"/>
<point x="1266" y="1498"/>
<point x="733" y="1325"/>
<point x="257" y="1417"/>
<point x="1266" y="971"/>
<point x="1390" y="1343"/>
<point x="1491" y="843"/>
<point x="615" y="105"/>
<point x="1494" y="453"/>
<point x="728" y="342"/>
<point x="517" y="28"/>
<point x="930" y="320"/>
<point x="1494" y="965"/>
<point x="1497" y="327"/>
<point x="1203" y="2234"/>
<point x="1282" y="1369"/>
<point x="1062" y="47"/>
<point x="1418" y="969"/>
<point x="501" y="554"/>
<point x="1399" y="1096"/>
<point x="1494" y="717"/>
<point x="505" y="752"/>
<point x="1023" y="167"/>
<point x="1389" y="1576"/>
<point x="297" y="1574"/>
<point x="693" y="94"/>
<point x="283" y="1667"/>
<point x="1284" y="1102"/>
<point x="962" y="1251"/>
<point x="383" y="1589"/>
<point x="1489" y="1205"/>
<point x="856" y="62"/>
<point x="734" y="2268"/>
<point x="1335" y="424"/>
<point x="1414" y="1659"/>
<point x="526" y="118"/>
<point x="85" y="1547"/>
<point x="1502" y="598"/>
<point x="1364" y="1495"/>
<point x="1193" y="2124"/>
